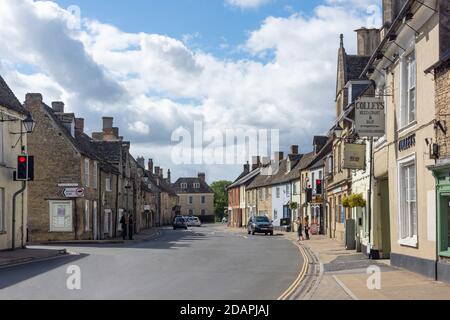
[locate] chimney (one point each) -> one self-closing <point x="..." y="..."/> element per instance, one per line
<point x="391" y="8"/>
<point x="79" y="125"/>
<point x="157" y="171"/>
<point x="58" y="106"/>
<point x="33" y="100"/>
<point x="169" y="179"/>
<point x="202" y="176"/>
<point x="150" y="165"/>
<point x="294" y="150"/>
<point x="141" y="162"/>
<point x="256" y="162"/>
<point x="368" y="41"/>
<point x="161" y="173"/>
<point x="265" y="161"/>
<point x="107" y="123"/>
<point x="278" y="156"/>
<point x="247" y="167"/>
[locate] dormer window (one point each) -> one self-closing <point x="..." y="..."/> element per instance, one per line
<point x="196" y="185"/>
<point x="184" y="185"/>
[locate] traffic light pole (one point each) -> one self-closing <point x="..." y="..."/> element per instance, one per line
<point x="13" y="233"/>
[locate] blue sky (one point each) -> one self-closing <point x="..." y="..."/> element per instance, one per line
<point x="212" y="22"/>
<point x="160" y="66"/>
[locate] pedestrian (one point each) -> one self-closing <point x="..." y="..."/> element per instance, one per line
<point x="307" y="228"/>
<point x="300" y="229"/>
<point x="124" y="225"/>
<point x="130" y="226"/>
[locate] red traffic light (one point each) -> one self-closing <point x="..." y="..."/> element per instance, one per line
<point x="22" y="159"/>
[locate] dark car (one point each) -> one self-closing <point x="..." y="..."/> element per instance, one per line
<point x="179" y="223"/>
<point x="260" y="224"/>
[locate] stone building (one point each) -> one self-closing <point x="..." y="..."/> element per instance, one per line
<point x="196" y="197"/>
<point x="441" y="149"/>
<point x="64" y="198"/>
<point x="12" y="114"/>
<point x="413" y="35"/>
<point x="348" y="83"/>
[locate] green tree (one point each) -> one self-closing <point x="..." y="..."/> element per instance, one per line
<point x="220" y="197"/>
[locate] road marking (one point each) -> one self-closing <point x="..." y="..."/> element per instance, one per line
<point x="245" y="237"/>
<point x="300" y="277"/>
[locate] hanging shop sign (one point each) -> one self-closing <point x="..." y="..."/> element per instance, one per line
<point x="370" y="117"/>
<point x="354" y="156"/>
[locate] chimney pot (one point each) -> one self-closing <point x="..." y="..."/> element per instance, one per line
<point x="58" y="106"/>
<point x="157" y="171"/>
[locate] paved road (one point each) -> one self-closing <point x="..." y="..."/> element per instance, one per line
<point x="201" y="263"/>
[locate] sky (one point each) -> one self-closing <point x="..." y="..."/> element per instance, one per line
<point x="159" y="66"/>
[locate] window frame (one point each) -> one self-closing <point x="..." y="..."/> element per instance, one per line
<point x="108" y="184"/>
<point x="191" y="199"/>
<point x="87" y="215"/>
<point x="203" y="199"/>
<point x="86" y="172"/>
<point x="411" y="240"/>
<point x="95" y="175"/>
<point x="406" y="87"/>
<point x="2" y="210"/>
<point x="52" y="228"/>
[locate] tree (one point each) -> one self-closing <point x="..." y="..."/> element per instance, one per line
<point x="220" y="197"/>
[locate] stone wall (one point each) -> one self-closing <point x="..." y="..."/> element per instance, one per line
<point x="443" y="107"/>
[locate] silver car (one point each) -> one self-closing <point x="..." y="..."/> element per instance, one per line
<point x="194" y="222"/>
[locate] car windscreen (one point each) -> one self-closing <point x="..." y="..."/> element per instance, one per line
<point x="262" y="219"/>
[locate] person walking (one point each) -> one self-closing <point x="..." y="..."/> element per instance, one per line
<point x="307" y="228"/>
<point x="124" y="225"/>
<point x="300" y="229"/>
<point x="130" y="226"/>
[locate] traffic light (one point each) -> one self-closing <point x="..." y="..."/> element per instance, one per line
<point x="25" y="168"/>
<point x="22" y="168"/>
<point x="318" y="186"/>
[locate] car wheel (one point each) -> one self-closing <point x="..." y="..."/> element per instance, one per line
<point x="253" y="232"/>
<point x="271" y="233"/>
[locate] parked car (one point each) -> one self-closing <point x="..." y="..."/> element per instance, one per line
<point x="194" y="222"/>
<point x="260" y="224"/>
<point x="180" y="223"/>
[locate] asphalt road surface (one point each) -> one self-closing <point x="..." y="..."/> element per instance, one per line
<point x="200" y="263"/>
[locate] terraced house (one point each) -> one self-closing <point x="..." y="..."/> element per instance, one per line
<point x="64" y="198"/>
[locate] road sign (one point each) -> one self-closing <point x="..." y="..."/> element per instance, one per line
<point x="74" y="192"/>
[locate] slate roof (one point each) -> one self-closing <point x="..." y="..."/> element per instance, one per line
<point x="246" y="179"/>
<point x="204" y="187"/>
<point x="109" y="150"/>
<point x="355" y="66"/>
<point x="9" y="100"/>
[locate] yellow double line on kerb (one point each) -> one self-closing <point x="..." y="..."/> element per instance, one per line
<point x="300" y="277"/>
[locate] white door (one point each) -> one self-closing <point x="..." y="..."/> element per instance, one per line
<point x="94" y="218"/>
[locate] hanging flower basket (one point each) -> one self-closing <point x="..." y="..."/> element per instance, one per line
<point x="354" y="201"/>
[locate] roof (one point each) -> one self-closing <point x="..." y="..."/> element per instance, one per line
<point x="246" y="179"/>
<point x="204" y="187"/>
<point x="9" y="100"/>
<point x="354" y="66"/>
<point x="109" y="150"/>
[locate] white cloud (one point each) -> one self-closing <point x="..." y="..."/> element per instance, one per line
<point x="247" y="4"/>
<point x="154" y="84"/>
<point x="139" y="127"/>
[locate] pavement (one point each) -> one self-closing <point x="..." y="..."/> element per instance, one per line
<point x="344" y="276"/>
<point x="196" y="264"/>
<point x="22" y="256"/>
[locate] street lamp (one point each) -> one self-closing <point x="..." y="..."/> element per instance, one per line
<point x="338" y="131"/>
<point x="29" y="124"/>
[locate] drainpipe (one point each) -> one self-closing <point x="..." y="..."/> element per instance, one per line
<point x="24" y="186"/>
<point x="369" y="209"/>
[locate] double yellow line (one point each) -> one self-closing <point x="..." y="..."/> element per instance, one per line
<point x="300" y="277"/>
